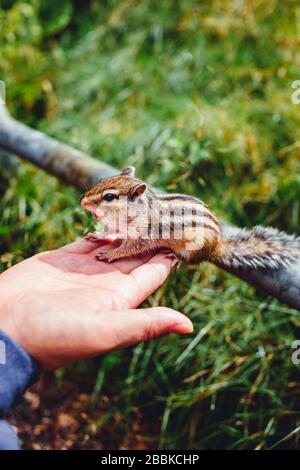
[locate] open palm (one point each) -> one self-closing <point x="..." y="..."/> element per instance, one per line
<point x="64" y="305"/>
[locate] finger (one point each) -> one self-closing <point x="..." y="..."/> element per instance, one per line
<point x="126" y="266"/>
<point x="151" y="275"/>
<point x="128" y="327"/>
<point x="83" y="246"/>
<point x="88" y="335"/>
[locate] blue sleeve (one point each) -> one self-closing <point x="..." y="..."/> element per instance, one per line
<point x="17" y="371"/>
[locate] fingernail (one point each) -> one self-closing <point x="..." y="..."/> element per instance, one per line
<point x="181" y="329"/>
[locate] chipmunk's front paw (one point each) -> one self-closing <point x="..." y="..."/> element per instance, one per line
<point x="101" y="237"/>
<point x="93" y="237"/>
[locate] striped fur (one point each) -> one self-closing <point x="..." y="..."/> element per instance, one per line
<point x="259" y="248"/>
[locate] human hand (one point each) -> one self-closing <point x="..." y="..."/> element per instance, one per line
<point x="64" y="305"/>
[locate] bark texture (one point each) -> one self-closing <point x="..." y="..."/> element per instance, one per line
<point x="63" y="161"/>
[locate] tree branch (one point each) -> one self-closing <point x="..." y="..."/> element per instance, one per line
<point x="83" y="171"/>
<point x="73" y="166"/>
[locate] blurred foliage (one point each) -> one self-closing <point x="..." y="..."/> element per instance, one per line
<point x="196" y="95"/>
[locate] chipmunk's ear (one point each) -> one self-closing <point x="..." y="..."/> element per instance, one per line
<point x="129" y="171"/>
<point x="138" y="190"/>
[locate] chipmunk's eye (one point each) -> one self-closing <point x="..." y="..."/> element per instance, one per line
<point x="110" y="196"/>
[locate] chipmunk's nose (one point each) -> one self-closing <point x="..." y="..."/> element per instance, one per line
<point x="86" y="202"/>
<point x="92" y="208"/>
<point x="82" y="200"/>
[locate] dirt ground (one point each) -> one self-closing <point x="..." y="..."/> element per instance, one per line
<point x="64" y="417"/>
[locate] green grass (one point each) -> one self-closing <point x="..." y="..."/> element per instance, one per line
<point x="197" y="96"/>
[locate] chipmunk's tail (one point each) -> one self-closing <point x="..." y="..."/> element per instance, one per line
<point x="259" y="248"/>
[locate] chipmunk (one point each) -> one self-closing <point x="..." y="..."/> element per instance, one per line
<point x="179" y="224"/>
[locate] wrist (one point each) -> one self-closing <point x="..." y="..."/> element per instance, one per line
<point x="9" y="303"/>
<point x="17" y="370"/>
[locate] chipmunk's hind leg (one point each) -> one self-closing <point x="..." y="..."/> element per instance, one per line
<point x="189" y="256"/>
<point x="172" y="256"/>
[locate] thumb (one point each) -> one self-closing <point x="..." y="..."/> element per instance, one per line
<point x="84" y="336"/>
<point x="128" y="327"/>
